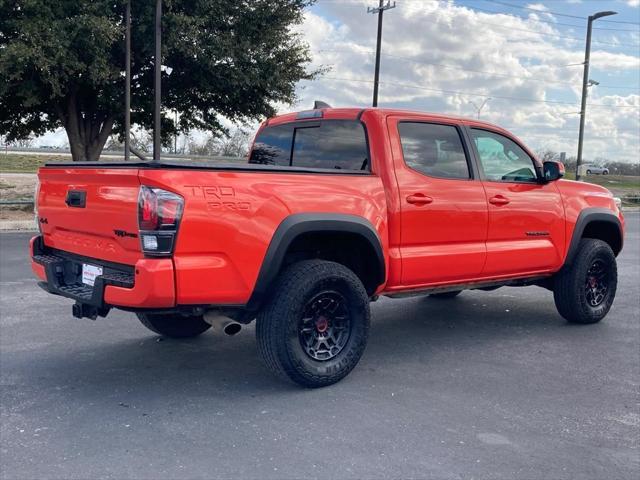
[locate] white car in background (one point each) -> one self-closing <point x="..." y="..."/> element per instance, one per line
<point x="595" y="170"/>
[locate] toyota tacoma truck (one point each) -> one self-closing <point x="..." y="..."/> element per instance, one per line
<point x="334" y="208"/>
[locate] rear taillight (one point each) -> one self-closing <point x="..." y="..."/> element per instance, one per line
<point x="159" y="214"/>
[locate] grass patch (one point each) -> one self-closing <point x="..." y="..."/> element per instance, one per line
<point x="27" y="163"/>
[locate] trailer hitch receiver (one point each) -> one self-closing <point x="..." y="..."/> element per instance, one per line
<point x="83" y="310"/>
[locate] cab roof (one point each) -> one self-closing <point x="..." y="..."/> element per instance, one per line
<point x="354" y="113"/>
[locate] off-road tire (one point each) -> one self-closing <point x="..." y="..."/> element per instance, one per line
<point x="278" y="327"/>
<point x="570" y="284"/>
<point x="174" y="326"/>
<point x="446" y="295"/>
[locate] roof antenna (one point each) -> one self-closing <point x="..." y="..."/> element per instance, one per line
<point x="320" y="104"/>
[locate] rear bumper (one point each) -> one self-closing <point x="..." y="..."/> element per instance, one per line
<point x="148" y="284"/>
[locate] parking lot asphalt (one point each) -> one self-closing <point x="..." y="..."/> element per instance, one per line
<point x="487" y="385"/>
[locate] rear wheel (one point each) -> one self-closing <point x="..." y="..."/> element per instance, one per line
<point x="585" y="290"/>
<point x="446" y="295"/>
<point x="588" y="172"/>
<point x="174" y="326"/>
<point x="315" y="328"/>
<point x="605" y="172"/>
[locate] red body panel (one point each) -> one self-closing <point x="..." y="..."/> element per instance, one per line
<point x="230" y="218"/>
<point x="112" y="195"/>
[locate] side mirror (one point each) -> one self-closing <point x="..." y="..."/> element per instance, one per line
<point x="552" y="171"/>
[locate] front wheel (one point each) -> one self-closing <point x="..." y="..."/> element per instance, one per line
<point x="585" y="290"/>
<point x="605" y="172"/>
<point x="588" y="172"/>
<point x="314" y="329"/>
<point x="174" y="326"/>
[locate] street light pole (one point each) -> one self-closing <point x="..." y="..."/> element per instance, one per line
<point x="479" y="109"/>
<point x="157" y="82"/>
<point x="379" y="10"/>
<point x="585" y="85"/>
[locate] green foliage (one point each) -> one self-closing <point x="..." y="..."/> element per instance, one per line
<point x="62" y="63"/>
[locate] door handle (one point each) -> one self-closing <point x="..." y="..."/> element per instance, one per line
<point x="499" y="200"/>
<point x="419" y="199"/>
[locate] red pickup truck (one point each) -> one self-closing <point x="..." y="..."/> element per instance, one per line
<point x="334" y="208"/>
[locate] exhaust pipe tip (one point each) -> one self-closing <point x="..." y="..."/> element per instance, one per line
<point x="222" y="323"/>
<point x="232" y="328"/>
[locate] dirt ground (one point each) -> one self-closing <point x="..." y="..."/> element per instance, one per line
<point x="6" y="214"/>
<point x="14" y="186"/>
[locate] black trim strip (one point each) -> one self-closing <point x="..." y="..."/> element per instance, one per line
<point x="237" y="167"/>
<point x="479" y="285"/>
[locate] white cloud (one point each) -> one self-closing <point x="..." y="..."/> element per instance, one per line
<point x="633" y="3"/>
<point x="538" y="6"/>
<point x="439" y="56"/>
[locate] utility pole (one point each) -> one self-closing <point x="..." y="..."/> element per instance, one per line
<point x="380" y="11"/>
<point x="127" y="82"/>
<point x="585" y="84"/>
<point x="157" y="145"/>
<point x="175" y="135"/>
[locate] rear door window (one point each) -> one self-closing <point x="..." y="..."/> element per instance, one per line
<point x="330" y="144"/>
<point x="434" y="150"/>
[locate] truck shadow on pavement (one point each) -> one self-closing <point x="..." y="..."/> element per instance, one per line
<point x="404" y="333"/>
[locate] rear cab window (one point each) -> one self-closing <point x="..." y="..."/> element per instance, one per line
<point x="324" y="144"/>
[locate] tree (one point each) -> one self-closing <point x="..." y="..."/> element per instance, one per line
<point x="24" y="142"/>
<point x="545" y="155"/>
<point x="236" y="144"/>
<point x="61" y="64"/>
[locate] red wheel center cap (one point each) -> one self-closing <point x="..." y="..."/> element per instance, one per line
<point x="593" y="282"/>
<point x="322" y="324"/>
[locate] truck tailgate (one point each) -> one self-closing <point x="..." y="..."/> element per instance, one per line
<point x="91" y="212"/>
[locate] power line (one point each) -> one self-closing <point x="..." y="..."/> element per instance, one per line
<point x="551" y="22"/>
<point x="506" y="4"/>
<point x="475" y="94"/>
<point x="556" y="35"/>
<point x="563" y="36"/>
<point x="496" y="74"/>
<point x="556" y="13"/>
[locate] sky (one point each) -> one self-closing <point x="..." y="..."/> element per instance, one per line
<point x="524" y="57"/>
<point x="449" y="56"/>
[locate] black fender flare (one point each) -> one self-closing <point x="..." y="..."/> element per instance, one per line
<point x="297" y="224"/>
<point x="585" y="217"/>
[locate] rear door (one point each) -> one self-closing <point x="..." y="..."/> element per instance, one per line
<point x="90" y="211"/>
<point x="443" y="205"/>
<point x="526" y="218"/>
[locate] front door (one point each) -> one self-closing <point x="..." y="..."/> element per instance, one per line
<point x="526" y="218"/>
<point x="443" y="208"/>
